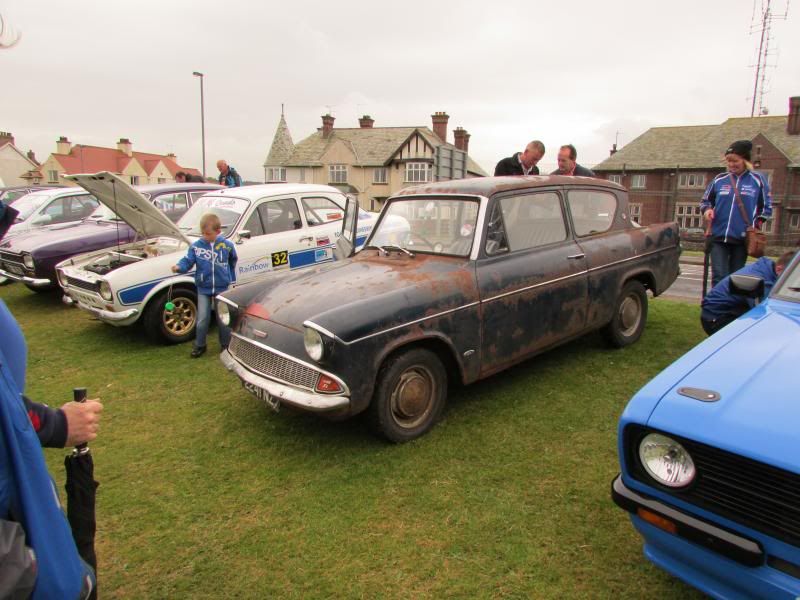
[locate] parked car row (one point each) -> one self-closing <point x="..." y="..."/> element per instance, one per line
<point x="338" y="312"/>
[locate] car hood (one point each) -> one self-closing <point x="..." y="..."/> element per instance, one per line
<point x="133" y="208"/>
<point x="83" y="234"/>
<point x="758" y="414"/>
<point x="367" y="293"/>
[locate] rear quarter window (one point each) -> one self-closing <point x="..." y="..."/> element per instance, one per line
<point x="592" y="211"/>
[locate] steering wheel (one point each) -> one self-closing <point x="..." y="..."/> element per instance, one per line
<point x="422" y="238"/>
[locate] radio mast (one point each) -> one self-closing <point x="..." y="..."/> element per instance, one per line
<point x="762" y="27"/>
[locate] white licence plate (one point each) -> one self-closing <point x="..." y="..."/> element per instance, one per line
<point x="263" y="395"/>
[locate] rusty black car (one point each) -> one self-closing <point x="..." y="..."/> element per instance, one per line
<point x="457" y="281"/>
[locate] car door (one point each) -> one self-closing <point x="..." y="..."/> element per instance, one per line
<point x="532" y="278"/>
<point x="323" y="217"/>
<point x="276" y="238"/>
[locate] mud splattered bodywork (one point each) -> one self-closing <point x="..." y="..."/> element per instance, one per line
<point x="532" y="263"/>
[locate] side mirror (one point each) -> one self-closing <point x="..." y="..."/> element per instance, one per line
<point x="747" y="286"/>
<point x="244" y="234"/>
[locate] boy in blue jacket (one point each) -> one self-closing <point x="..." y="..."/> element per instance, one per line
<point x="215" y="260"/>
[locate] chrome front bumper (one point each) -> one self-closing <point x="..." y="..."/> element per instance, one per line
<point x="284" y="393"/>
<point x="24" y="279"/>
<point x="103" y="315"/>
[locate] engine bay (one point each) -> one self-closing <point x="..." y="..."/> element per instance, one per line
<point x="111" y="261"/>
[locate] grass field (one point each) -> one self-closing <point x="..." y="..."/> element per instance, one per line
<point x="205" y="493"/>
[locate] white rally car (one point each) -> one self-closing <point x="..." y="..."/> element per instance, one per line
<point x="275" y="227"/>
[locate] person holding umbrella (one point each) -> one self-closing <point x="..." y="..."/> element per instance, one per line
<point x="727" y="227"/>
<point x="37" y="549"/>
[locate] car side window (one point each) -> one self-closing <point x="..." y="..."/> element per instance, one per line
<point x="196" y="195"/>
<point x="592" y="211"/>
<point x="176" y="202"/>
<point x="319" y="210"/>
<point x="280" y="215"/>
<point x="57" y="210"/>
<point x="526" y="221"/>
<point x="254" y="225"/>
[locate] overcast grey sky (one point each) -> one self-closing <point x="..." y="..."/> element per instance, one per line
<point x="508" y="72"/>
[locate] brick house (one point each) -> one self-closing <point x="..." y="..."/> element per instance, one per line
<point x="139" y="168"/>
<point x="370" y="162"/>
<point x="666" y="169"/>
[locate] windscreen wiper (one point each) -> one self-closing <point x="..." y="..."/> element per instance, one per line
<point x="400" y="248"/>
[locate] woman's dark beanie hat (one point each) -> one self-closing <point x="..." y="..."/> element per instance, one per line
<point x="740" y="148"/>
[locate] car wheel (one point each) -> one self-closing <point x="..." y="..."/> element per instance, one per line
<point x="409" y="396"/>
<point x="630" y="316"/>
<point x="172" y="327"/>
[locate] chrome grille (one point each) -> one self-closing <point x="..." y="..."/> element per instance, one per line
<point x="11" y="257"/>
<point x="80" y="283"/>
<point x="272" y="364"/>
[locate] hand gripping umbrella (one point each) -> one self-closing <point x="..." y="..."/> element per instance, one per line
<point x="81" y="493"/>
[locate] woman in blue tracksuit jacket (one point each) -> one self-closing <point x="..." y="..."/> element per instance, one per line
<point x="215" y="260"/>
<point x="719" y="207"/>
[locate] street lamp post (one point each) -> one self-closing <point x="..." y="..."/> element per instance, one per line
<point x="202" y="120"/>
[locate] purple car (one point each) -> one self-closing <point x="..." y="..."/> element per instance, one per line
<point x="31" y="257"/>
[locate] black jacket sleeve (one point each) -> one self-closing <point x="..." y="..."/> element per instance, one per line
<point x="50" y="423"/>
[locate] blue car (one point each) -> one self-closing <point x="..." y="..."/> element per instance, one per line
<point x="710" y="454"/>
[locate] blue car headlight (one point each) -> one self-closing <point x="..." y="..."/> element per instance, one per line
<point x="666" y="461"/>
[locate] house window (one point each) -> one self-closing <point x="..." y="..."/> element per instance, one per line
<point x="418" y="172"/>
<point x="688" y="216"/>
<point x="635" y="213"/>
<point x="615" y="179"/>
<point x="52" y="176"/>
<point x="337" y="173"/>
<point x="692" y="180"/>
<point x="134" y="180"/>
<point x="162" y="180"/>
<point x="380" y="175"/>
<point x="638" y="182"/>
<point x="276" y="174"/>
<point x="794" y="221"/>
<point x="302" y="175"/>
<point x="767" y="226"/>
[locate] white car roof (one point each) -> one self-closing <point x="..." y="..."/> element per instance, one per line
<point x="55" y="192"/>
<point x="256" y="192"/>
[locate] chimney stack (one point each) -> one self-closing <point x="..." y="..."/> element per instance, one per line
<point x="613" y="150"/>
<point x="32" y="157"/>
<point x="6" y="138"/>
<point x="124" y="145"/>
<point x="461" y="139"/>
<point x="366" y="122"/>
<point x="440" y="124"/>
<point x="172" y="157"/>
<point x="327" y="125"/>
<point x="63" y="145"/>
<point x="793" y="122"/>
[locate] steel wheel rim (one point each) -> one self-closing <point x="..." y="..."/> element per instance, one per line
<point x="413" y="397"/>
<point x="182" y="318"/>
<point x="630" y="314"/>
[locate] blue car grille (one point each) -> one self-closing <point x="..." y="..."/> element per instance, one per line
<point x="80" y="283"/>
<point x="755" y="494"/>
<point x="271" y="364"/>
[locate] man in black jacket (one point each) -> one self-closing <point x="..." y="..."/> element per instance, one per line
<point x="522" y="163"/>
<point x="567" y="165"/>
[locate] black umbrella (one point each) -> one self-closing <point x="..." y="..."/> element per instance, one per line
<point x="706" y="257"/>
<point x="81" y="493"/>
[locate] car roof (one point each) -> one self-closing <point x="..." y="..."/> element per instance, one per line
<point x="254" y="192"/>
<point x="176" y="187"/>
<point x="58" y="191"/>
<point x="488" y="186"/>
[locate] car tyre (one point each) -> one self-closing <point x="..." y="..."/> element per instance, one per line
<point x="175" y="327"/>
<point x="630" y="316"/>
<point x="41" y="289"/>
<point x="409" y="396"/>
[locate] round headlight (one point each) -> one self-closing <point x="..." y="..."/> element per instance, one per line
<point x="27" y="259"/>
<point x="224" y="313"/>
<point x="666" y="461"/>
<point x="313" y="343"/>
<point x="62" y="279"/>
<point x="105" y="291"/>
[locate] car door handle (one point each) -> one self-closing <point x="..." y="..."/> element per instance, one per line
<point x="307" y="238"/>
<point x="576" y="256"/>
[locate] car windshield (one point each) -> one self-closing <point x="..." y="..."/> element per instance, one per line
<point x="430" y="225"/>
<point x="229" y="210"/>
<point x="27" y="205"/>
<point x="789" y="288"/>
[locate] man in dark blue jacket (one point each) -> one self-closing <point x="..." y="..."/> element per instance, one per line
<point x="37" y="552"/>
<point x="721" y="306"/>
<point x="228" y="175"/>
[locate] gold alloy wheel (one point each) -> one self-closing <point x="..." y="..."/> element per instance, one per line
<point x="182" y="318"/>
<point x="413" y="397"/>
<point x="630" y="314"/>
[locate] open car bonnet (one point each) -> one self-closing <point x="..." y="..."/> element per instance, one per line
<point x="133" y="208"/>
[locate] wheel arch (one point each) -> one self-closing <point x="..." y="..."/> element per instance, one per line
<point x="180" y="282"/>
<point x="437" y="343"/>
